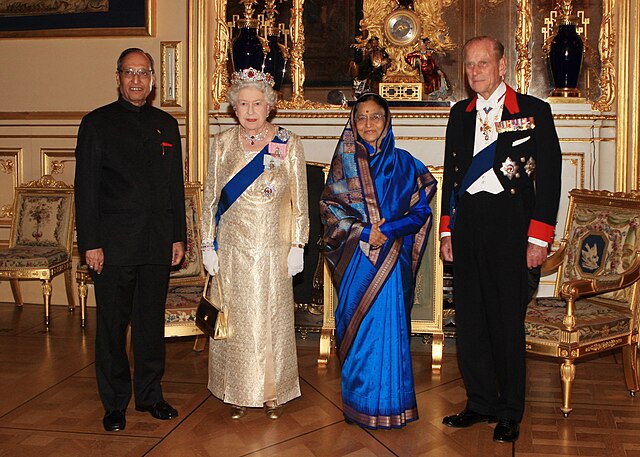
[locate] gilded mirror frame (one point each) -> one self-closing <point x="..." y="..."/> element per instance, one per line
<point x="523" y="35"/>
<point x="221" y="53"/>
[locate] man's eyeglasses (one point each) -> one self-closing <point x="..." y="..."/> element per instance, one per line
<point x="142" y="73"/>
<point x="377" y="117"/>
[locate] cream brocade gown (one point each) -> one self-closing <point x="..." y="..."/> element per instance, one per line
<point x="254" y="238"/>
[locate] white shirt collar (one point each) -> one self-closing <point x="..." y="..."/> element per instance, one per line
<point x="495" y="100"/>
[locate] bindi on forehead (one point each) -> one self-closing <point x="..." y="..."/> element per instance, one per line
<point x="366" y="110"/>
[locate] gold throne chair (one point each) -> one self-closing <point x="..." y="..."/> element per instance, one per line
<point x="41" y="240"/>
<point x="595" y="303"/>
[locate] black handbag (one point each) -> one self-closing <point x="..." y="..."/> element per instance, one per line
<point x="210" y="316"/>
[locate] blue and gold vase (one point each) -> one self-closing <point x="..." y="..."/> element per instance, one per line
<point x="565" y="55"/>
<point x="246" y="47"/>
<point x="275" y="61"/>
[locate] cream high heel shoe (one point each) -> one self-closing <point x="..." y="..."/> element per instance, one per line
<point x="272" y="409"/>
<point x="238" y="411"/>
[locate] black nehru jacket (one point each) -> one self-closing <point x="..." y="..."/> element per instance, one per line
<point x="129" y="186"/>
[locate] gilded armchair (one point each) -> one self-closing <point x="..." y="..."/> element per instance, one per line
<point x="595" y="307"/>
<point x="185" y="283"/>
<point x="426" y="314"/>
<point x="41" y="240"/>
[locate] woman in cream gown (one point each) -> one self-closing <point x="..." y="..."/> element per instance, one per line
<point x="255" y="222"/>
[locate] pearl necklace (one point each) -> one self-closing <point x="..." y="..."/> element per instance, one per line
<point x="253" y="138"/>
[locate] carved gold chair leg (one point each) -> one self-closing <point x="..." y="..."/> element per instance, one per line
<point x="437" y="345"/>
<point x="325" y="346"/>
<point x="567" y="375"/>
<point x="630" y="364"/>
<point x="17" y="293"/>
<point x="83" y="290"/>
<point x="199" y="343"/>
<point x="68" y="283"/>
<point x="46" y="294"/>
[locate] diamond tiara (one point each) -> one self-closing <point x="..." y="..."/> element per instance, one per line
<point x="251" y="74"/>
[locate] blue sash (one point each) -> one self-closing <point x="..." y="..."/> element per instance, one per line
<point x="240" y="182"/>
<point x="481" y="163"/>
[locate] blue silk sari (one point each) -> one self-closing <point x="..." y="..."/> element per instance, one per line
<point x="375" y="286"/>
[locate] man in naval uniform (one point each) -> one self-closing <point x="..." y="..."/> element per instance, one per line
<point x="131" y="226"/>
<point x="500" y="199"/>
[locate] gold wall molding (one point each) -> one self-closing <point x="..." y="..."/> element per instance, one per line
<point x="11" y="175"/>
<point x="622" y="105"/>
<point x="635" y="101"/>
<point x="221" y="39"/>
<point x="7" y="166"/>
<point x="606" y="46"/>
<point x="523" y="39"/>
<point x="24" y="135"/>
<point x="576" y="159"/>
<point x="56" y="115"/>
<point x="198" y="91"/>
<point x="297" y="52"/>
<point x="58" y="162"/>
<point x="445" y="115"/>
<point x="585" y="117"/>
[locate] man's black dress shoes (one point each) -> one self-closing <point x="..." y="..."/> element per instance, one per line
<point x="114" y="421"/>
<point x="467" y="418"/>
<point x="160" y="410"/>
<point x="507" y="431"/>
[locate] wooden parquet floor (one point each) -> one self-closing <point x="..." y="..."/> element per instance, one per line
<point x="49" y="406"/>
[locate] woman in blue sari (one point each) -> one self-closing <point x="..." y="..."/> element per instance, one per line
<point x="376" y="214"/>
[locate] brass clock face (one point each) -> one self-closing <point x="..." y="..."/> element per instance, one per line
<point x="402" y="28"/>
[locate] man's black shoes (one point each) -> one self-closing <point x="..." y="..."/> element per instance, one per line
<point x="507" y="431"/>
<point x="160" y="410"/>
<point x="114" y="421"/>
<point x="467" y="418"/>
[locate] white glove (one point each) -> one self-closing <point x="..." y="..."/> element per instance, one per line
<point x="210" y="260"/>
<point x="295" y="261"/>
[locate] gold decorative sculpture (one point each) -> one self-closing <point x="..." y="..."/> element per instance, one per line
<point x="399" y="28"/>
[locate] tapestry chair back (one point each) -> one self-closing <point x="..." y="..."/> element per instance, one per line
<point x="41" y="240"/>
<point x="595" y="303"/>
<point x="185" y="283"/>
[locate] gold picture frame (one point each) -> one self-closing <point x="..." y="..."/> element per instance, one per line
<point x="171" y="73"/>
<point x="133" y="18"/>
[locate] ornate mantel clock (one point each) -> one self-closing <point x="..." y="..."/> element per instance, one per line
<point x="401" y="27"/>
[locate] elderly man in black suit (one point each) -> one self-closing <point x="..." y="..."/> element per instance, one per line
<point x="131" y="226"/>
<point x="500" y="199"/>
